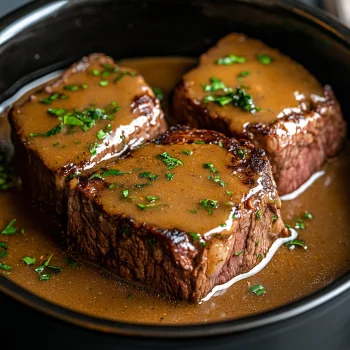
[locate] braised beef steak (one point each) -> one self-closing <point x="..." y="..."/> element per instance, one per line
<point x="94" y="113"/>
<point x="244" y="88"/>
<point x="180" y="214"/>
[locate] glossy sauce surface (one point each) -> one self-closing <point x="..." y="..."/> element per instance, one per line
<point x="79" y="91"/>
<point x="191" y="183"/>
<point x="290" y="275"/>
<point x="281" y="84"/>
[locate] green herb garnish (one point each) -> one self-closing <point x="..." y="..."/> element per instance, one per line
<point x="295" y="242"/>
<point x="239" y="253"/>
<point x="10" y="228"/>
<point x="215" y="85"/>
<point x="199" y="142"/>
<point x="5" y="267"/>
<point x="209" y="205"/>
<point x="159" y="93"/>
<point x="184" y="151"/>
<point x="101" y="134"/>
<point x="123" y="74"/>
<point x="239" y="98"/>
<point x="275" y="218"/>
<point x="71" y="87"/>
<point x="211" y="167"/>
<point x="57" y="111"/>
<point x="170" y="161"/>
<point x="93" y="148"/>
<point x="149" y="206"/>
<point x="52" y="97"/>
<point x="308" y="215"/>
<point x="103" y="83"/>
<point x="29" y="260"/>
<point x="264" y="59"/>
<point x="257" y="289"/>
<point x="217" y="180"/>
<point x="244" y="74"/>
<point x="51" y="132"/>
<point x="193" y="211"/>
<point x="152" y="198"/>
<point x="125" y="193"/>
<point x="230" y="59"/>
<point x="148" y="175"/>
<point x="241" y="153"/>
<point x="258" y="215"/>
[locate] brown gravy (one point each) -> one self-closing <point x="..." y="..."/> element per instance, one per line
<point x="290" y="275"/>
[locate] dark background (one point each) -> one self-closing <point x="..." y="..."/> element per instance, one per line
<point x="9" y="5"/>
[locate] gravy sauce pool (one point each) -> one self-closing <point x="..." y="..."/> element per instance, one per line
<point x="290" y="275"/>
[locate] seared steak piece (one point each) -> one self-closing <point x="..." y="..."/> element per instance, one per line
<point x="180" y="214"/>
<point x="94" y="113"/>
<point x="246" y="89"/>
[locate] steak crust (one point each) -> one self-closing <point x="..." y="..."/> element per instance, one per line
<point x="170" y="261"/>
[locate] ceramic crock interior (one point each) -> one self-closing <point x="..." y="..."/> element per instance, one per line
<point x="161" y="28"/>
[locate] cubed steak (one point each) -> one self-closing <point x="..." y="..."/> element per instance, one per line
<point x="95" y="112"/>
<point x="180" y="214"/>
<point x="246" y="89"/>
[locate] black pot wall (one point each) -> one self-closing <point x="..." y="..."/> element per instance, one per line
<point x="131" y="28"/>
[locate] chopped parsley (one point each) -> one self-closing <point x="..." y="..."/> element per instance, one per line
<point x="152" y="198"/>
<point x="169" y="176"/>
<point x="115" y="172"/>
<point x="238" y="98"/>
<point x="10" y="228"/>
<point x="195" y="236"/>
<point x="229" y="193"/>
<point x="211" y="167"/>
<point x="103" y="83"/>
<point x="217" y="180"/>
<point x="215" y="85"/>
<point x="258" y="215"/>
<point x="295" y="243"/>
<point x="57" y="129"/>
<point x="223" y="225"/>
<point x="257" y="289"/>
<point x="308" y="215"/>
<point x="230" y="59"/>
<point x="159" y="93"/>
<point x="3" y="250"/>
<point x="125" y="193"/>
<point x="5" y="267"/>
<point x="169" y="161"/>
<point x="71" y="87"/>
<point x="93" y="148"/>
<point x="123" y="74"/>
<point x="300" y="224"/>
<point x="148" y="175"/>
<point x="41" y="270"/>
<point x="101" y="134"/>
<point x="184" y="151"/>
<point x="264" y="59"/>
<point x="243" y="74"/>
<point x="53" y="97"/>
<point x="209" y="205"/>
<point x="29" y="260"/>
<point x="57" y="111"/>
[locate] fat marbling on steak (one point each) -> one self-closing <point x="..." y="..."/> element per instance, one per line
<point x="94" y="113"/>
<point x="244" y="88"/>
<point x="180" y="215"/>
